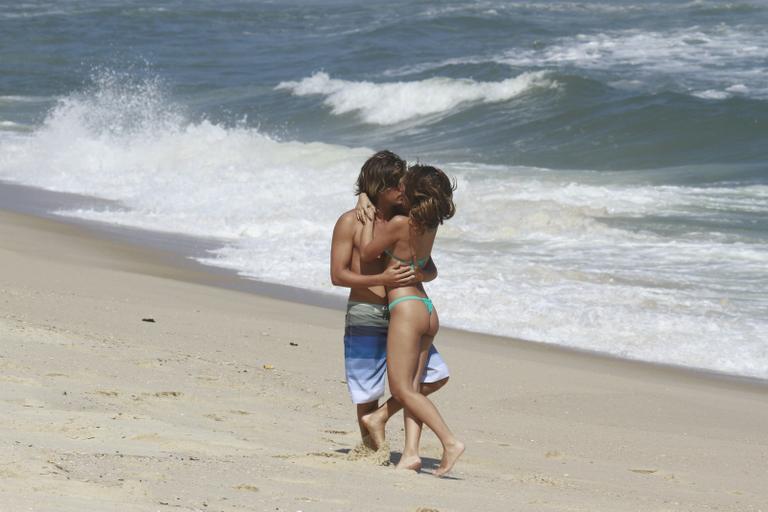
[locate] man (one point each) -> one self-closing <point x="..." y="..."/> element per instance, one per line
<point x="365" y="334"/>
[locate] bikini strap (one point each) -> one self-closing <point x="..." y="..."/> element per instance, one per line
<point x="413" y="263"/>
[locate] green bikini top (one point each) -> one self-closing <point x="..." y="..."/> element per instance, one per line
<point x="420" y="263"/>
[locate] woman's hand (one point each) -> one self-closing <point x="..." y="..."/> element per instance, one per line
<point x="397" y="276"/>
<point x="364" y="210"/>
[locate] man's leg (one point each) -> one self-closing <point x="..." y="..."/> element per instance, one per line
<point x="362" y="410"/>
<point x="365" y="353"/>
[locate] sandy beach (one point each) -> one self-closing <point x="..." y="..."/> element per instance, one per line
<point x="134" y="382"/>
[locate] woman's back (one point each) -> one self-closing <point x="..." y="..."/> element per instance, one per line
<point x="412" y="248"/>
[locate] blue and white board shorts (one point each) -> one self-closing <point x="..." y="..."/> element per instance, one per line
<point x="365" y="352"/>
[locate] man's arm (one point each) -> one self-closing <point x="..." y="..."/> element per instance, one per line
<point x="341" y="261"/>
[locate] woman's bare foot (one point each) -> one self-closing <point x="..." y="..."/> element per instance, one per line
<point x="451" y="454"/>
<point x="412" y="463"/>
<point x="376" y="428"/>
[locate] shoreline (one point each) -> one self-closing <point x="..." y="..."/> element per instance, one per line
<point x="175" y="249"/>
<point x="118" y="410"/>
<point x="179" y="250"/>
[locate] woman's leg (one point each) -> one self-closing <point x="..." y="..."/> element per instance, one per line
<point x="375" y="422"/>
<point x="404" y="344"/>
<point x="411" y="459"/>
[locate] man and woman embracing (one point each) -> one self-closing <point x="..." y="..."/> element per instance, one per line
<point x="381" y="251"/>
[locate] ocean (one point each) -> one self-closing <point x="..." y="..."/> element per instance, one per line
<point x="611" y="156"/>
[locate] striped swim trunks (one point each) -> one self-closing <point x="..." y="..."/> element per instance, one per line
<point x="365" y="352"/>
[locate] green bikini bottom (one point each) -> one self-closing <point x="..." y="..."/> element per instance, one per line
<point x="426" y="300"/>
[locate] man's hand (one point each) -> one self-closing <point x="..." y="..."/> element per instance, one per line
<point x="400" y="275"/>
<point x="428" y="272"/>
<point x="364" y="210"/>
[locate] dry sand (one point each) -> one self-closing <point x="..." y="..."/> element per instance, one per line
<point x="232" y="401"/>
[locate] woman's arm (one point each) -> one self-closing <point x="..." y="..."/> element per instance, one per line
<point x="386" y="235"/>
<point x="364" y="209"/>
<point x="341" y="261"/>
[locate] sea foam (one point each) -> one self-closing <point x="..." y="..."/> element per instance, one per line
<point x="394" y="102"/>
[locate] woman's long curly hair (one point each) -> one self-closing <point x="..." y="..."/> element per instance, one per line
<point x="428" y="195"/>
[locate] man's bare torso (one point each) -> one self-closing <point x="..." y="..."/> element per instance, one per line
<point x="373" y="294"/>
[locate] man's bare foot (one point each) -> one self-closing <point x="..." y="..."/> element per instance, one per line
<point x="451" y="454"/>
<point x="376" y="429"/>
<point x="368" y="443"/>
<point x="412" y="463"/>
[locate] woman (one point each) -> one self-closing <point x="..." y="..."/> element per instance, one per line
<point x="428" y="198"/>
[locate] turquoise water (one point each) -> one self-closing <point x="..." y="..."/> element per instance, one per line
<point x="612" y="157"/>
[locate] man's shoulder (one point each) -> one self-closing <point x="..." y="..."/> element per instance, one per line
<point x="347" y="221"/>
<point x="348" y="217"/>
<point x="399" y="220"/>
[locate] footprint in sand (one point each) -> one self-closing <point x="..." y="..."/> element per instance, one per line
<point x="362" y="453"/>
<point x="326" y="455"/>
<point x="644" y="471"/>
<point x="7" y="473"/>
<point x="147" y="437"/>
<point x="31" y="402"/>
<point x="106" y="393"/>
<point x="19" y="380"/>
<point x="246" y="487"/>
<point x="166" y="394"/>
<point x="537" y="478"/>
<point x="333" y="441"/>
<point x="150" y="363"/>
